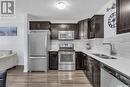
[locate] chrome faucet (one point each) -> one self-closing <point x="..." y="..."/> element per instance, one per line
<point x="112" y="52"/>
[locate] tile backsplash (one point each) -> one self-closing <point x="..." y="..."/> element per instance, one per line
<point x="121" y="44"/>
<point x="78" y="44"/>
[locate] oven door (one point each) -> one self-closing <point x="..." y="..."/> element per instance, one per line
<point x="67" y="58"/>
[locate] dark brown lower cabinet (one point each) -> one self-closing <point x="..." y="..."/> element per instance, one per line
<point x="96" y="73"/>
<point x="93" y="72"/>
<point x="89" y="72"/>
<point x="53" y="60"/>
<point x="79" y="61"/>
<point x="85" y="68"/>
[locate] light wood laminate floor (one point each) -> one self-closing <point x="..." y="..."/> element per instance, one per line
<point x="17" y="78"/>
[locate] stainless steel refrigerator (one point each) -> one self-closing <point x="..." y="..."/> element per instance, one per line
<point x="38" y="50"/>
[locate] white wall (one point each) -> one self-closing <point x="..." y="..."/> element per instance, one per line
<point x="16" y="43"/>
<point x="108" y="32"/>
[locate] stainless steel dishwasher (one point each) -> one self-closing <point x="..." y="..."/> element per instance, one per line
<point x="112" y="78"/>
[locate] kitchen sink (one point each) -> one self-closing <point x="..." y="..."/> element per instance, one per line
<point x="103" y="56"/>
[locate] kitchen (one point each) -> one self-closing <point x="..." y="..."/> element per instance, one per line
<point x="96" y="45"/>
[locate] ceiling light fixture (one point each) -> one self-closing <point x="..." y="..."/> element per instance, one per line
<point x="61" y="5"/>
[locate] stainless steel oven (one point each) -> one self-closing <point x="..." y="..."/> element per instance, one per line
<point x="66" y="57"/>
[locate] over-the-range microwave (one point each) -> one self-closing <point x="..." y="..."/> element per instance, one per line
<point x="66" y="35"/>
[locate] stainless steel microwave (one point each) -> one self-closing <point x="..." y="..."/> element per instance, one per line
<point x="66" y="35"/>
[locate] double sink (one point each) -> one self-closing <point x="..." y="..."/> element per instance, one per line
<point x="103" y="56"/>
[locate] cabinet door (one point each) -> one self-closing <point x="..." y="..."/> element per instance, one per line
<point x="123" y="16"/>
<point x="85" y="68"/>
<point x="92" y="29"/>
<point x="74" y="27"/>
<point x="96" y="73"/>
<point x="39" y="25"/>
<point x="34" y="25"/>
<point x="79" y="61"/>
<point x="53" y="60"/>
<point x="99" y="26"/>
<point x="89" y="73"/>
<point x="81" y="29"/>
<point x="86" y="28"/>
<point x="96" y="26"/>
<point x="54" y="32"/>
<point x="84" y="62"/>
<point x="45" y="25"/>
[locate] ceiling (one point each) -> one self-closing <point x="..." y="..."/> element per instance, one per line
<point x="46" y="9"/>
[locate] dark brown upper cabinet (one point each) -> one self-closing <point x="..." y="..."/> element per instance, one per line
<point x="123" y="16"/>
<point x="83" y="29"/>
<point x="39" y="25"/>
<point x="96" y="27"/>
<point x="55" y="27"/>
